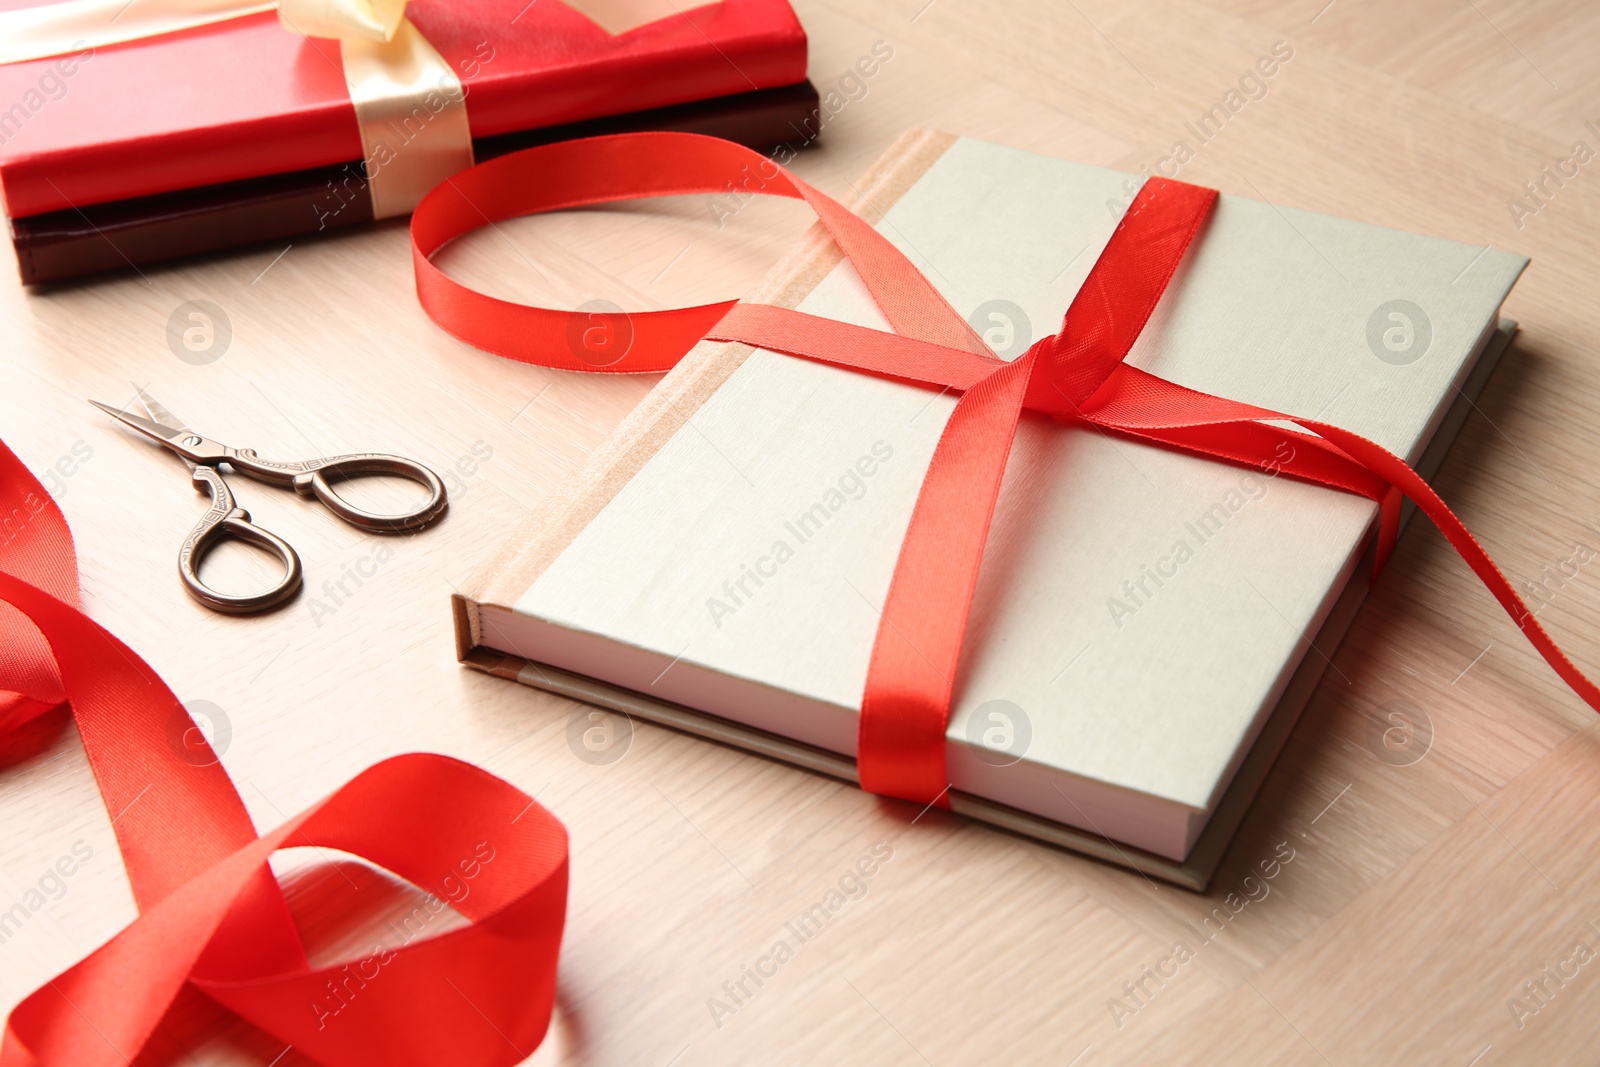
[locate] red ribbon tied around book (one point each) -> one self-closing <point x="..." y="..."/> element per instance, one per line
<point x="211" y="914"/>
<point x="1077" y="375"/>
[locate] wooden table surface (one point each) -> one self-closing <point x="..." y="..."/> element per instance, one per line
<point x="1432" y="830"/>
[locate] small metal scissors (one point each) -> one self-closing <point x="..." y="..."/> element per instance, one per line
<point x="225" y="520"/>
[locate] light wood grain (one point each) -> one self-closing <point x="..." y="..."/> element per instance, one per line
<point x="1421" y="896"/>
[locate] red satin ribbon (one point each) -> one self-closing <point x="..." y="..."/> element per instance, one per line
<point x="211" y="912"/>
<point x="1077" y="375"/>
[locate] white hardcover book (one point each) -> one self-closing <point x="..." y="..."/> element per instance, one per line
<point x="720" y="564"/>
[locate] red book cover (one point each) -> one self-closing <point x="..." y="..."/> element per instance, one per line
<point x="246" y="98"/>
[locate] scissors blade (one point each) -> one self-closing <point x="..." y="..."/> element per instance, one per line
<point x="159" y="413"/>
<point x="189" y="445"/>
<point x="156" y="411"/>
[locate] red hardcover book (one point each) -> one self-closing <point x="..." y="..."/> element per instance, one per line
<point x="240" y="103"/>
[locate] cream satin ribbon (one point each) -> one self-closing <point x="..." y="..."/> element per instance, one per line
<point x="410" y="106"/>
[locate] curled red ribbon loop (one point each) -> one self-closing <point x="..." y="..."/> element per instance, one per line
<point x="210" y="911"/>
<point x="1076" y="375"/>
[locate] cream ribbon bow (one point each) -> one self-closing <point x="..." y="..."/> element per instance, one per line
<point x="410" y="106"/>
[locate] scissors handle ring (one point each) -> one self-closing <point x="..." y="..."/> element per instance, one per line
<point x="224" y="521"/>
<point x="313" y="481"/>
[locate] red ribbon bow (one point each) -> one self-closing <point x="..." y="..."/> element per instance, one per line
<point x="211" y="914"/>
<point x="1076" y="375"/>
